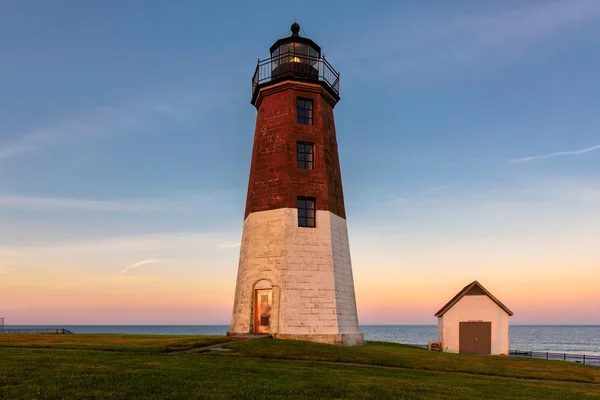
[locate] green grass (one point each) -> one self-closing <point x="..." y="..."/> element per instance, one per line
<point x="397" y="355"/>
<point x="137" y="367"/>
<point x="136" y="343"/>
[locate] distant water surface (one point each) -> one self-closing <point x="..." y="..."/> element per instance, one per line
<point x="584" y="339"/>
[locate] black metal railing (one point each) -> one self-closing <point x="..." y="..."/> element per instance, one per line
<point x="297" y="66"/>
<point x="19" y="331"/>
<point x="575" y="358"/>
<point x="546" y="355"/>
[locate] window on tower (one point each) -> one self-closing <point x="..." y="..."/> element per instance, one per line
<point x="305" y="154"/>
<point x="306" y="212"/>
<point x="305" y="111"/>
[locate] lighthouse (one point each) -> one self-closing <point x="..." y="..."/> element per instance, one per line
<point x="294" y="276"/>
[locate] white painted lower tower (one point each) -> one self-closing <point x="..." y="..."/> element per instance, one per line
<point x="309" y="272"/>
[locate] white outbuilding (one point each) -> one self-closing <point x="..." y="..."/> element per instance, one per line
<point x="474" y="322"/>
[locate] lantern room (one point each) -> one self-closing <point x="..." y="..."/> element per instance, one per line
<point x="297" y="58"/>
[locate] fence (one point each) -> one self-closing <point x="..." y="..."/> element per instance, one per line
<point x="575" y="358"/>
<point x="19" y="331"/>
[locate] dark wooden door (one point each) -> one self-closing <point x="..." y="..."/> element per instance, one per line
<point x="475" y="337"/>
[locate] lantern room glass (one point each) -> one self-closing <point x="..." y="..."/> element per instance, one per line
<point x="295" y="52"/>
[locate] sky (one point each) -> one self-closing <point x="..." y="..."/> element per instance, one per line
<point x="468" y="134"/>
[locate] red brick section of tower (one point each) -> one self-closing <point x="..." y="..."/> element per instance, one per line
<point x="275" y="179"/>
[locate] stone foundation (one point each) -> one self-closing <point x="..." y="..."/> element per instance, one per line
<point x="344" y="339"/>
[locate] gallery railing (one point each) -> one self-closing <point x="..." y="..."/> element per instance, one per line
<point x="296" y="66"/>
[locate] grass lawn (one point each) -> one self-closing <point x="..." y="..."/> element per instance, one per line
<point x="397" y="355"/>
<point x="137" y="367"/>
<point x="141" y="343"/>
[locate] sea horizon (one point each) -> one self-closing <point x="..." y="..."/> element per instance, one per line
<point x="57" y="325"/>
<point x="576" y="339"/>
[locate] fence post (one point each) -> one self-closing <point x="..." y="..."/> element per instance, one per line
<point x="546" y="355"/>
<point x="584" y="359"/>
<point x="530" y="354"/>
<point x="564" y="356"/>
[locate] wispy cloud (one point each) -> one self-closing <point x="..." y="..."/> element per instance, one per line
<point x="137" y="265"/>
<point x="229" y="246"/>
<point x="426" y="192"/>
<point x="169" y="202"/>
<point x="29" y="142"/>
<point x="438" y="188"/>
<point x="168" y="242"/>
<point x="53" y="203"/>
<point x="7" y="260"/>
<point x="9" y="253"/>
<point x="467" y="36"/>
<point x="97" y="122"/>
<point x="560" y="153"/>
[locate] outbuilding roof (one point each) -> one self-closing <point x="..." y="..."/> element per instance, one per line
<point x="473" y="288"/>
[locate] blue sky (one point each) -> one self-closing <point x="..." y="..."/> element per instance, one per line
<point x="468" y="137"/>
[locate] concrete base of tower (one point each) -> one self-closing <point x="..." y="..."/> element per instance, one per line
<point x="246" y="335"/>
<point x="344" y="339"/>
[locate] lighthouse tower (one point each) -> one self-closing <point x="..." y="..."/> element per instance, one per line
<point x="295" y="276"/>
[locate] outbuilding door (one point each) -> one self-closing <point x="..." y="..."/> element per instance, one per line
<point x="475" y="337"/>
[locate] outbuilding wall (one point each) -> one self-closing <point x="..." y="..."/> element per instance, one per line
<point x="471" y="309"/>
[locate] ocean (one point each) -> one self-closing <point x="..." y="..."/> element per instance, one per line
<point x="576" y="339"/>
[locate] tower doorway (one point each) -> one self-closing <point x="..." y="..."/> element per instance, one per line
<point x="263" y="303"/>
